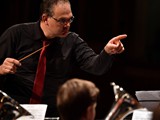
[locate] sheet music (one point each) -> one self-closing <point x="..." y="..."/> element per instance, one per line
<point x="142" y="114"/>
<point x="149" y="99"/>
<point x="37" y="110"/>
<point x="148" y="95"/>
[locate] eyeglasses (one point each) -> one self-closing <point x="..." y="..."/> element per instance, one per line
<point x="64" y="20"/>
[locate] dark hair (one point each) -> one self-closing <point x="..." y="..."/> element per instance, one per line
<point x="74" y="97"/>
<point x="47" y="5"/>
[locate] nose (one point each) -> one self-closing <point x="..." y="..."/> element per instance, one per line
<point x="67" y="24"/>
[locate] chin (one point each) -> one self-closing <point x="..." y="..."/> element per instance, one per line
<point x="63" y="35"/>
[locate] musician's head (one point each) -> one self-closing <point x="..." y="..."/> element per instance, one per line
<point x="77" y="99"/>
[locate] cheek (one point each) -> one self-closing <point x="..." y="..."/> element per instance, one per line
<point x="58" y="30"/>
<point x="54" y="28"/>
<point x="52" y="25"/>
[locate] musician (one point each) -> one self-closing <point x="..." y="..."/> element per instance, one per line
<point x="66" y="50"/>
<point x="77" y="100"/>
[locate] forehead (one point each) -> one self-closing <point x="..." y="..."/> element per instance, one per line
<point x="62" y="9"/>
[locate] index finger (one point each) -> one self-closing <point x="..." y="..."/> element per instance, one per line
<point x="14" y="61"/>
<point x="118" y="38"/>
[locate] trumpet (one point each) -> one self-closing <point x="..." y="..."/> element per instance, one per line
<point x="123" y="105"/>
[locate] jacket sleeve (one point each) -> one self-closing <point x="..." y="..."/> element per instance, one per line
<point x="89" y="61"/>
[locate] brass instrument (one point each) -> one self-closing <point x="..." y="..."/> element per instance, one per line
<point x="123" y="105"/>
<point x="10" y="109"/>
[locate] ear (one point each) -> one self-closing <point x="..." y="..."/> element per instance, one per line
<point x="45" y="18"/>
<point x="91" y="112"/>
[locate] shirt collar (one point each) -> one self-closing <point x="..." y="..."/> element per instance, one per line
<point x="38" y="34"/>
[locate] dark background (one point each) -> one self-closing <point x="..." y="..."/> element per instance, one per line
<point x="97" y="22"/>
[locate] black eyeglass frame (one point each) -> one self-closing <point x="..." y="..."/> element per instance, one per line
<point x="63" y="20"/>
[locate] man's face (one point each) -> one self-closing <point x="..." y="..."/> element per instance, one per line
<point x="59" y="23"/>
